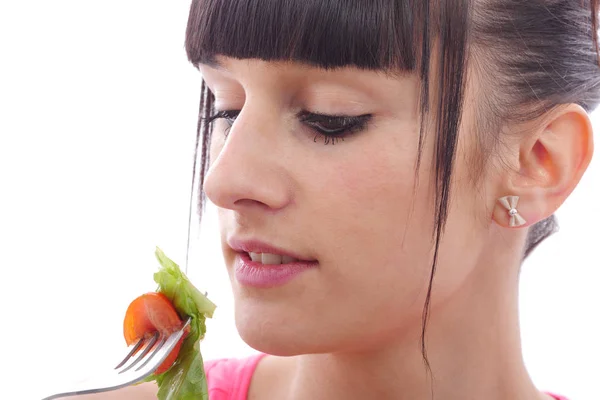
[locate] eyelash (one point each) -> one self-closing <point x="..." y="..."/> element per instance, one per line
<point x="349" y="124"/>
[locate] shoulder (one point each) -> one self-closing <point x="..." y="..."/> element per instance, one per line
<point x="229" y="378"/>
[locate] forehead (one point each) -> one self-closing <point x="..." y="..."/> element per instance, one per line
<point x="229" y="66"/>
<point x="225" y="69"/>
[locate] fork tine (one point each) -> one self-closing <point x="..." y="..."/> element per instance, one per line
<point x="147" y="349"/>
<point x="160" y="354"/>
<point x="164" y="348"/>
<point x="156" y="350"/>
<point x="134" y="350"/>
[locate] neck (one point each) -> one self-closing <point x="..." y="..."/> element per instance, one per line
<point x="472" y="343"/>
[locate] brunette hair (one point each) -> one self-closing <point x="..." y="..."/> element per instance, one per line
<point x="532" y="55"/>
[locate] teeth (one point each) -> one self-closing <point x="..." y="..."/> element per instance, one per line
<point x="271" y="259"/>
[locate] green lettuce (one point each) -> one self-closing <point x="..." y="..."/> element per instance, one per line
<point x="185" y="380"/>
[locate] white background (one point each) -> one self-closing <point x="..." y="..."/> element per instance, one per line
<point x="98" y="109"/>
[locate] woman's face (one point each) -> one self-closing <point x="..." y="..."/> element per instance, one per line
<point x="351" y="203"/>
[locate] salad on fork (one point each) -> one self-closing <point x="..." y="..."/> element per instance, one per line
<point x="181" y="376"/>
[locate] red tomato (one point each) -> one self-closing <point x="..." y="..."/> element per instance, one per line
<point x="150" y="313"/>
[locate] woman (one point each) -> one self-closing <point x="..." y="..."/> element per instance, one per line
<point x="381" y="170"/>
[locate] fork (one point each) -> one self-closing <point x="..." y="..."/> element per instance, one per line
<point x="133" y="369"/>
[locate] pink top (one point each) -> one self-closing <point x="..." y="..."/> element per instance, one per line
<point x="229" y="378"/>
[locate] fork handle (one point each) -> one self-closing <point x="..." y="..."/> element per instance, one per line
<point x="83" y="387"/>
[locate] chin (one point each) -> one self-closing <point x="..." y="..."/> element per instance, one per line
<point x="274" y="333"/>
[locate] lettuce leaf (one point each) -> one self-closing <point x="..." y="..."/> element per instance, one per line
<point x="185" y="380"/>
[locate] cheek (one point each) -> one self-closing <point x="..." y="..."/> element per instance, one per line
<point x="467" y="227"/>
<point x="373" y="177"/>
<point x="375" y="234"/>
<point x="373" y="203"/>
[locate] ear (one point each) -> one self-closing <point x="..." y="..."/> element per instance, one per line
<point x="551" y="162"/>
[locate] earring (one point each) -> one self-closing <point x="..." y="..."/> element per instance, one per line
<point x="510" y="203"/>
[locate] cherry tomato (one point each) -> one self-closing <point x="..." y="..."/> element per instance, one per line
<point x="150" y="313"/>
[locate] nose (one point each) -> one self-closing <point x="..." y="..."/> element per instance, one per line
<point x="248" y="170"/>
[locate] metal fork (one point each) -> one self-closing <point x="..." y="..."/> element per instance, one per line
<point x="136" y="366"/>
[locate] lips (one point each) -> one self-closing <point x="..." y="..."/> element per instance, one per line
<point x="255" y="274"/>
<point x="263" y="266"/>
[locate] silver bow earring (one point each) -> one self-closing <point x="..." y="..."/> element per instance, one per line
<point x="510" y="203"/>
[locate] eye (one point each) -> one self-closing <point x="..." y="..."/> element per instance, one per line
<point x="228" y="115"/>
<point x="331" y="127"/>
<point x="334" y="127"/>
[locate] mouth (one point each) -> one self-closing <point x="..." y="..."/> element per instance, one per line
<point x="264" y="253"/>
<point x="262" y="267"/>
<point x="271" y="259"/>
